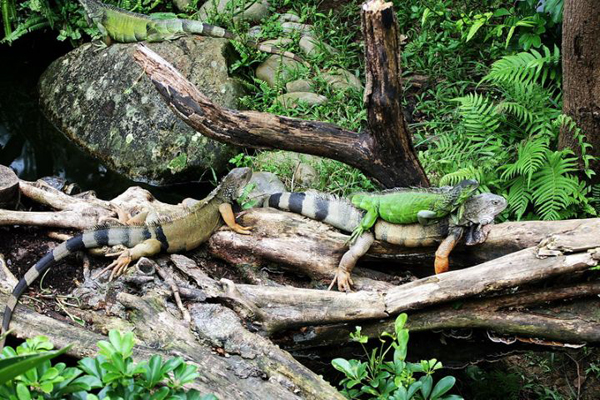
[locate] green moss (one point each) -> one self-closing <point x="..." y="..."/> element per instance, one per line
<point x="178" y="163"/>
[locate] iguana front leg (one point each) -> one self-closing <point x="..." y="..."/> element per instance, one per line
<point x="146" y="248"/>
<point x="427" y="217"/>
<point x="444" y="249"/>
<point x="349" y="260"/>
<point x="365" y="224"/>
<point x="227" y="215"/>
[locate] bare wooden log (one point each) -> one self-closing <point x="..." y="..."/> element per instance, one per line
<point x="9" y="188"/>
<point x="60" y="219"/>
<point x="509" y="271"/>
<point x="285" y="307"/>
<point x="315" y="249"/>
<point x="384" y="151"/>
<point x="271" y="373"/>
<point x="525" y="313"/>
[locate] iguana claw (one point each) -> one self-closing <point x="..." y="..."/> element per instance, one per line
<point x="343" y="279"/>
<point x="118" y="266"/>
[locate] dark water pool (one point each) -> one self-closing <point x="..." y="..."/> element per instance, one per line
<point x="32" y="147"/>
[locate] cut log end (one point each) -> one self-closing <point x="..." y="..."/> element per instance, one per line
<point x="376" y="5"/>
<point x="9" y="188"/>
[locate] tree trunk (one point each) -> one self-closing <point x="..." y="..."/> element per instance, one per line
<point x="581" y="74"/>
<point x="384" y="151"/>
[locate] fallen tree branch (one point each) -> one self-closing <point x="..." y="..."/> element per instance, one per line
<point x="384" y="152"/>
<point x="525" y="313"/>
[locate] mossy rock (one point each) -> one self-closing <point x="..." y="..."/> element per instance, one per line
<point x="102" y="101"/>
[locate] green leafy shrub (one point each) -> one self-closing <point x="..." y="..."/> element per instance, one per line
<point x="111" y="375"/>
<point x="506" y="138"/>
<point x="380" y="379"/>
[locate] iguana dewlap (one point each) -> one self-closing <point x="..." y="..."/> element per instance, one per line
<point x="172" y="235"/>
<point x="128" y="27"/>
<point x="478" y="210"/>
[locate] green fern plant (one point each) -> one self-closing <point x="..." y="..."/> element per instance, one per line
<point x="506" y="138"/>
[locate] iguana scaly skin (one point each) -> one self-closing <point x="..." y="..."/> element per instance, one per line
<point x="172" y="235"/>
<point x="127" y="27"/>
<point x="479" y="211"/>
<point x="411" y="205"/>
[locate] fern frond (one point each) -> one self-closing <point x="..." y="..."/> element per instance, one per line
<point x="479" y="115"/>
<point x="469" y="172"/>
<point x="531" y="156"/>
<point x="518" y="110"/>
<point x="519" y="197"/>
<point x="525" y="67"/>
<point x="553" y="186"/>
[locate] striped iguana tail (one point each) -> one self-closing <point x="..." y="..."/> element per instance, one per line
<point x="335" y="211"/>
<point x="103" y="236"/>
<point x="127" y="27"/>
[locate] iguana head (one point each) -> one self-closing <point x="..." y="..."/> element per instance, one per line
<point x="479" y="214"/>
<point x="93" y="10"/>
<point x="234" y="183"/>
<point x="483" y="208"/>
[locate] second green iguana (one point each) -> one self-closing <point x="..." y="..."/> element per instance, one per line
<point x="478" y="213"/>
<point x="411" y="205"/>
<point x="171" y="235"/>
<point x="127" y="27"/>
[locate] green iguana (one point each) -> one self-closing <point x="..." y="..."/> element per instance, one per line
<point x="410" y="205"/>
<point x="172" y="235"/>
<point x="126" y="27"/>
<point x="478" y="212"/>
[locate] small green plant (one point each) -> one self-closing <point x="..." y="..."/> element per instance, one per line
<point x="380" y="379"/>
<point x="331" y="176"/>
<point x="111" y="375"/>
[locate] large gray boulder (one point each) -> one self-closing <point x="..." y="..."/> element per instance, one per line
<point x="101" y="100"/>
<point x="252" y="11"/>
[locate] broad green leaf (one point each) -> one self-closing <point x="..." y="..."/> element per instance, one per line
<point x="427" y="383"/>
<point x="442" y="387"/>
<point x="400" y="322"/>
<point x="23" y="365"/>
<point x="344" y="366"/>
<point x="478" y="24"/>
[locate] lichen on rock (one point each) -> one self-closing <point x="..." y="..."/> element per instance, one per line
<point x="101" y="100"/>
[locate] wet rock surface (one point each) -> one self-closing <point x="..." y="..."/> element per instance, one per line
<point x="101" y="101"/>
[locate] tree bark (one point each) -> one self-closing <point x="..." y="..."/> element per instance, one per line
<point x="384" y="151"/>
<point x="581" y="75"/>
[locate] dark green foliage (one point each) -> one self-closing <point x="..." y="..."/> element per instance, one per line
<point x="67" y="17"/>
<point x="111" y="375"/>
<point x="506" y="138"/>
<point x="394" y="379"/>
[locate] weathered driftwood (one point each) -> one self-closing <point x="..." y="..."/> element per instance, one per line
<point x="253" y="368"/>
<point x="281" y="307"/>
<point x="383" y="151"/>
<point x="528" y="314"/>
<point x="9" y="188"/>
<point x="81" y="212"/>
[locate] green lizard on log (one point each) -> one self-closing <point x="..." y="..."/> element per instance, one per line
<point x="411" y="205"/>
<point x="478" y="213"/>
<point x="172" y="235"/>
<point x="126" y="27"/>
